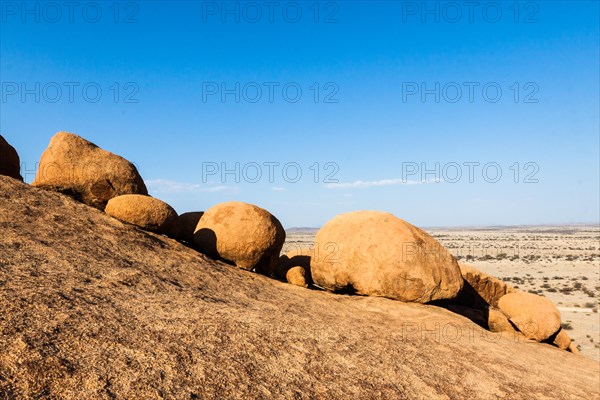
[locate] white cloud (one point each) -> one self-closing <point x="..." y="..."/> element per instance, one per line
<point x="167" y="186"/>
<point x="382" y="182"/>
<point x="277" y="189"/>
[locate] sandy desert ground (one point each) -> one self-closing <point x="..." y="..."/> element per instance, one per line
<point x="559" y="262"/>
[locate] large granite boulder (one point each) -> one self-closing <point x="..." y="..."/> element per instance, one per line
<point x="77" y="167"/>
<point x="145" y="212"/>
<point x="535" y="316"/>
<point x="378" y="254"/>
<point x="243" y="234"/>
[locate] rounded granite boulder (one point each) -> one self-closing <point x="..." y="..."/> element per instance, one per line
<point x="187" y="225"/>
<point x="378" y="254"/>
<point x="77" y="167"/>
<point x="144" y="211"/>
<point x="535" y="316"/>
<point x="294" y="266"/>
<point x="241" y="233"/>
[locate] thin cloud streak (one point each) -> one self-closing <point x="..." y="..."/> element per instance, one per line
<point x="382" y="182"/>
<point x="168" y="186"/>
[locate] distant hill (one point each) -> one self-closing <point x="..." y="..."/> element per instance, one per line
<point x="302" y="230"/>
<point x="93" y="308"/>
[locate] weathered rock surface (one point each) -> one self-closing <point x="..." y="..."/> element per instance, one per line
<point x="480" y="289"/>
<point x="145" y="212"/>
<point x="187" y="225"/>
<point x="377" y="254"/>
<point x="535" y="316"/>
<point x="10" y="164"/>
<point x="79" y="168"/>
<point x="92" y="308"/>
<point x="243" y="234"/>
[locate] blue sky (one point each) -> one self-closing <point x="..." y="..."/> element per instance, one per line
<point x="168" y="73"/>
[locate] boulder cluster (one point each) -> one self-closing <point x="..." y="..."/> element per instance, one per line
<point x="369" y="253"/>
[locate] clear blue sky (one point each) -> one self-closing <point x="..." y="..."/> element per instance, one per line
<point x="368" y="57"/>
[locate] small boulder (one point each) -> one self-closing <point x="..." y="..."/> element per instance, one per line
<point x="144" y="211"/>
<point x="187" y="225"/>
<point x="573" y="348"/>
<point x="243" y="234"/>
<point x="535" y="316"/>
<point x="562" y="340"/>
<point x="79" y="168"/>
<point x="377" y="254"/>
<point x="10" y="164"/>
<point x="488" y="318"/>
<point x="297" y="276"/>
<point x="294" y="266"/>
<point x="480" y="289"/>
<point x="498" y="322"/>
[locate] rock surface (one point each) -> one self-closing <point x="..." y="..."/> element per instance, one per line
<point x="145" y="212"/>
<point x="480" y="289"/>
<point x="377" y="254"/>
<point x="10" y="164"/>
<point x="187" y="225"/>
<point x="77" y="167"/>
<point x="535" y="316"/>
<point x="243" y="234"/>
<point x="92" y="308"/>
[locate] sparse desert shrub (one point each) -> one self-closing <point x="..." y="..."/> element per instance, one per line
<point x="552" y="290"/>
<point x="567" y="326"/>
<point x="589" y="292"/>
<point x="590" y="305"/>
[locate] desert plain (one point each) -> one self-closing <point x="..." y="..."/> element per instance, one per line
<point x="560" y="262"/>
